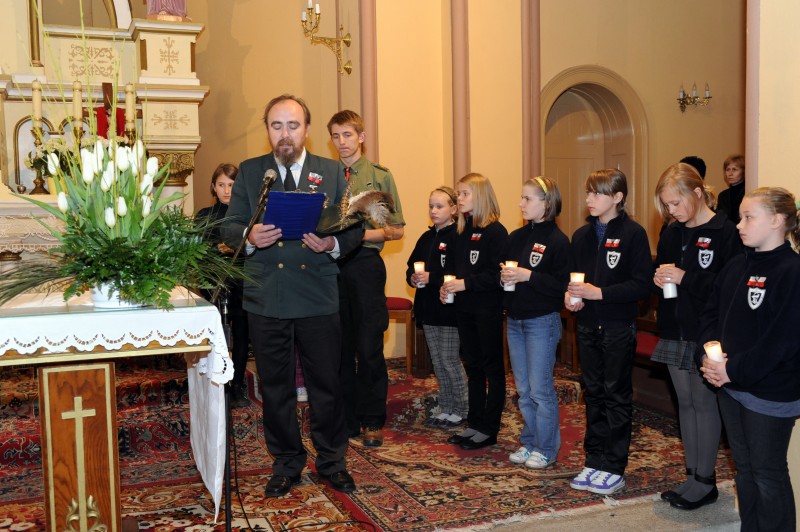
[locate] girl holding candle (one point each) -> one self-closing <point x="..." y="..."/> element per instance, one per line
<point x="534" y="320"/>
<point x="479" y="308"/>
<point x="613" y="251"/>
<point x="753" y="313"/>
<point x="691" y="252"/>
<point x="431" y="256"/>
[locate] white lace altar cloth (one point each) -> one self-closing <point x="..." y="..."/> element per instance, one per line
<point x="33" y="321"/>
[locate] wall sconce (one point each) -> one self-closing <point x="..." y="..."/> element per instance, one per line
<point x="694" y="99"/>
<point x="309" y="19"/>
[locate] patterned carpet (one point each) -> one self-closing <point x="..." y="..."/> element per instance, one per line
<point x="414" y="482"/>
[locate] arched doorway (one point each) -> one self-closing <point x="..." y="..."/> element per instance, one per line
<point x="593" y="119"/>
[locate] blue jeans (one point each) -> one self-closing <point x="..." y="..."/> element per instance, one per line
<point x="532" y="350"/>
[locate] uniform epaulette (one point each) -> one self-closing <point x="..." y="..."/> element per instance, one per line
<point x="379" y="167"/>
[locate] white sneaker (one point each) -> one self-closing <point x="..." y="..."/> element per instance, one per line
<point x="581" y="482"/>
<point x="302" y="394"/>
<point x="605" y="483"/>
<point x="520" y="455"/>
<point x="538" y="461"/>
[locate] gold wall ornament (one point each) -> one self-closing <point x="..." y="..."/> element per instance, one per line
<point x="685" y="100"/>
<point x="84" y="59"/>
<point x="92" y="512"/>
<point x="309" y="20"/>
<point x="181" y="166"/>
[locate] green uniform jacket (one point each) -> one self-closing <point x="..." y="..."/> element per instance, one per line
<point x="371" y="176"/>
<point x="292" y="281"/>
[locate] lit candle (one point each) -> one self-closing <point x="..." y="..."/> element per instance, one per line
<point x="576" y="277"/>
<point x="77" y="106"/>
<point x="303" y="15"/>
<point x="36" y="98"/>
<point x="419" y="267"/>
<point x="130" y="106"/>
<point x="450" y="297"/>
<point x="708" y="91"/>
<point x="694" y="90"/>
<point x="670" y="289"/>
<point x="510" y="287"/>
<point x="713" y="350"/>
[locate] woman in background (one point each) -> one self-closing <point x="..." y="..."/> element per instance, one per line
<point x="221" y="185"/>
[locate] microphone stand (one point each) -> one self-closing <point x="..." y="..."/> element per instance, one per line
<point x="269" y="180"/>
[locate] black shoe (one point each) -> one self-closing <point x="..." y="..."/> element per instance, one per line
<point x="239" y="397"/>
<point x="456" y="439"/>
<point x="670" y="495"/>
<point x="471" y="445"/>
<point x="373" y="437"/>
<point x="341" y="481"/>
<point x="683" y="504"/>
<point x="279" y="485"/>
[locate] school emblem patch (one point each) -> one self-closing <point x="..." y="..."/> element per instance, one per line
<point x="705" y="257"/>
<point x="473" y="256"/>
<point x="756" y="291"/>
<point x="612" y="258"/>
<point x="441" y="259"/>
<point x="535" y="259"/>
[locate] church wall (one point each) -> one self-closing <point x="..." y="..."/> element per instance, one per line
<point x="655" y="46"/>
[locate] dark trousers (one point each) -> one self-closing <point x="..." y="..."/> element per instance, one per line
<point x="482" y="349"/>
<point x="319" y="339"/>
<point x="759" y="444"/>
<point x="606" y="362"/>
<point x="240" y="348"/>
<point x="362" y="307"/>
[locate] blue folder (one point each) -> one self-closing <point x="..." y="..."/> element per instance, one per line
<point x="295" y="213"/>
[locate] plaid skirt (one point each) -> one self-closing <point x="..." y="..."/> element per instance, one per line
<point x="678" y="353"/>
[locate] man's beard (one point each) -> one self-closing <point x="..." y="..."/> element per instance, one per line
<point x="286" y="156"/>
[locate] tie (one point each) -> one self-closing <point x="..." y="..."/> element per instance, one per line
<point x="288" y="181"/>
<point x="347" y="171"/>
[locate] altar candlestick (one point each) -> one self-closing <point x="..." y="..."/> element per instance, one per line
<point x="36" y="98"/>
<point x="77" y="106"/>
<point x="130" y="106"/>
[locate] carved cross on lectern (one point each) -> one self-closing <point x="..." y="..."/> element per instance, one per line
<point x="78" y="413"/>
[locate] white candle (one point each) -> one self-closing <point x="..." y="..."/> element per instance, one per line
<point x="681" y="93"/>
<point x="419" y="267"/>
<point x="77" y="106"/>
<point x="510" y="287"/>
<point x="708" y="91"/>
<point x="694" y="90"/>
<point x="576" y="277"/>
<point x="670" y="289"/>
<point x="303" y="15"/>
<point x="713" y="350"/>
<point x="316" y="9"/>
<point x="36" y="99"/>
<point x="130" y="106"/>
<point x="450" y="297"/>
<point x="310" y="4"/>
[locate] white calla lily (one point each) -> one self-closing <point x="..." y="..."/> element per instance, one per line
<point x="147" y="204"/>
<point x="147" y="184"/>
<point x="53" y="163"/>
<point x="63" y="205"/>
<point x="88" y="167"/>
<point x="152" y="166"/>
<point x="121" y="158"/>
<point x="122" y="207"/>
<point x="99" y="153"/>
<point x="111" y="219"/>
<point x="108" y="178"/>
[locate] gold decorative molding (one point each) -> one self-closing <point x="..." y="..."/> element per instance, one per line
<point x="169" y="56"/>
<point x="10" y="256"/>
<point x="170" y="119"/>
<point x="92" y="512"/>
<point x="33" y="26"/>
<point x="181" y="166"/>
<point x="86" y="59"/>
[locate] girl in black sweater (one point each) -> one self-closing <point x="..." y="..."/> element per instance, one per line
<point x="613" y="253"/>
<point x="479" y="308"/>
<point x="691" y="252"/>
<point x="433" y="249"/>
<point x="753" y="312"/>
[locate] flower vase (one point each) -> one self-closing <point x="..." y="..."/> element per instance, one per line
<point x="103" y="296"/>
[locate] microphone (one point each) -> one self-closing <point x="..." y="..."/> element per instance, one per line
<point x="270" y="176"/>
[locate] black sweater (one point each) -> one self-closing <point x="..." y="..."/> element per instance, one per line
<point x="543" y="249"/>
<point x="620" y="265"/>
<point x="701" y="252"/>
<point x="754" y="313"/>
<point x="434" y="248"/>
<point x="730" y="200"/>
<point x="478" y="252"/>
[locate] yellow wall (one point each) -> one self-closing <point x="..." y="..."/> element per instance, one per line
<point x="655" y="46"/>
<point x="778" y="128"/>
